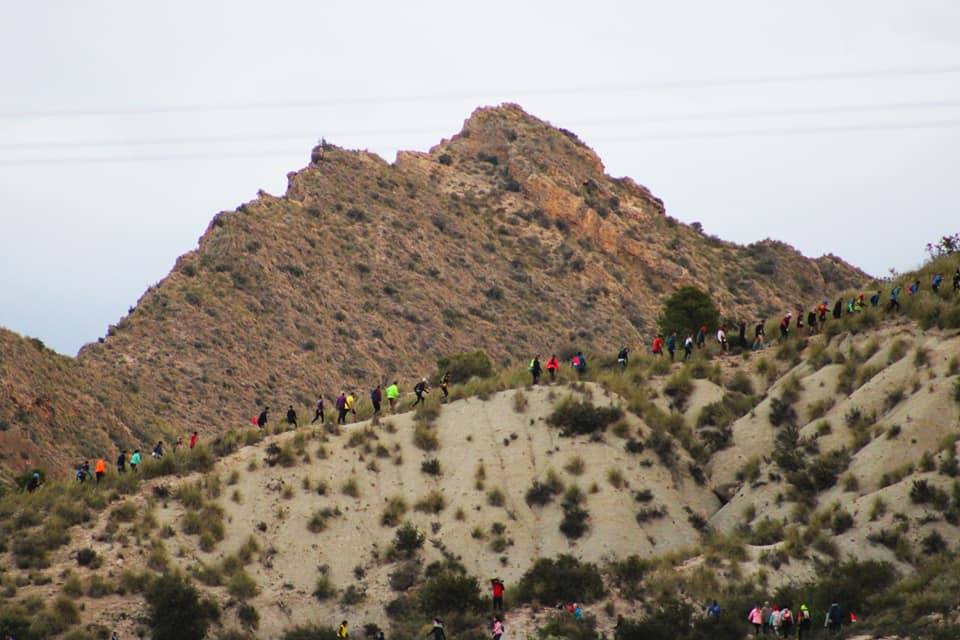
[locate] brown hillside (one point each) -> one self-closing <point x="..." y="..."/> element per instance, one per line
<point x="508" y="237"/>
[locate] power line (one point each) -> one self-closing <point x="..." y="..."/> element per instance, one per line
<point x="667" y="117"/>
<point x="888" y="126"/>
<point x="439" y="97"/>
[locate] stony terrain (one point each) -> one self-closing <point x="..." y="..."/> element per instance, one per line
<point x="507" y="237"/>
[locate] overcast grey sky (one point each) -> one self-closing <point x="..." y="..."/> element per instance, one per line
<point x="759" y="119"/>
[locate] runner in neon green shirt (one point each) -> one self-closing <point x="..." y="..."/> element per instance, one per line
<point x="393" y="392"/>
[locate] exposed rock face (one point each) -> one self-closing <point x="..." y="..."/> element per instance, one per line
<point x="508" y="237"/>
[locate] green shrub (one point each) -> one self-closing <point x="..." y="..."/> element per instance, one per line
<point x="540" y="494"/>
<point x="741" y="383"/>
<point x="324" y="589"/>
<point x="242" y="586"/>
<point x="425" y="438"/>
<point x="408" y="539"/>
<point x="433" y="502"/>
<point x="564" y="578"/>
<point x="450" y="592"/>
<point x="574" y="523"/>
<point x="394" y="511"/>
<point x="766" y="531"/>
<point x="463" y="366"/>
<point x="686" y="310"/>
<point x="404" y="576"/>
<point x="431" y="467"/>
<point x="495" y="497"/>
<point x="175" y="611"/>
<point x="678" y="388"/>
<point x="578" y="418"/>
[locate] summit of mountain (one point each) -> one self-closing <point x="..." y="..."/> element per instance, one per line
<point x="508" y="237"/>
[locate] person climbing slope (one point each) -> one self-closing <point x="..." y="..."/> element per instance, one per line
<point x="535" y="369"/>
<point x="742" y="334"/>
<point x="157" y="450"/>
<point x="688" y="347"/>
<point x="393" y="392"/>
<point x="262" y="418"/>
<point x="894" y="299"/>
<point x="838" y="309"/>
<point x="135" y="460"/>
<point x="437" y="630"/>
<point x="318" y="414"/>
<point x="672" y="345"/>
<point x="701" y="336"/>
<point x="100" y="469"/>
<point x="342" y="408"/>
<point x="579" y="363"/>
<point x="497" y="628"/>
<point x="342" y="631"/>
<point x="622" y="357"/>
<point x="445" y="385"/>
<point x="122" y="462"/>
<point x="785" y="326"/>
<point x="351" y="405"/>
<point x="553" y="366"/>
<point x="376" y="396"/>
<point x="292" y="417"/>
<point x="937" y="281"/>
<point x="656" y="347"/>
<point x="420" y="389"/>
<point x="722" y="340"/>
<point x="194" y="438"/>
<point x="496" y="587"/>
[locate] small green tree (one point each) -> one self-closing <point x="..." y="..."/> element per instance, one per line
<point x="176" y="611"/>
<point x="686" y="310"/>
<point x="464" y="366"/>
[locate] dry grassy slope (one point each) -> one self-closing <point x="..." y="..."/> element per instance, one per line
<point x="927" y="416"/>
<point x="514" y="448"/>
<point x="508" y="237"/>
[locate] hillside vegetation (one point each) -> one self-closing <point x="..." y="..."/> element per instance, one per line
<point x="508" y="237"/>
<point x="820" y="469"/>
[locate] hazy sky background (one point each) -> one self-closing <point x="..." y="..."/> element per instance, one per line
<point x="125" y="126"/>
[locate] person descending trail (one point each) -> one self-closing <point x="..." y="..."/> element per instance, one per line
<point x="875" y="299"/>
<point x="158" y="450"/>
<point x="688" y="347"/>
<point x="496" y="588"/>
<point x="122" y="462"/>
<point x="535" y="369"/>
<point x="342" y="408"/>
<point x="497" y="628"/>
<point x="701" y="336"/>
<point x="657" y="346"/>
<point x="722" y="339"/>
<point x="622" y="357"/>
<point x="445" y="385"/>
<point x="100" y="469"/>
<point x="755" y="617"/>
<point x="262" y="418"/>
<point x="553" y="366"/>
<point x="420" y="389"/>
<point x="393" y="392"/>
<point x="292" y="417"/>
<point x="82" y="470"/>
<point x="376" y="396"/>
<point x="318" y="413"/>
<point x="822" y="312"/>
<point x="785" y="327"/>
<point x="894" y="299"/>
<point x="799" y="321"/>
<point x="937" y="281"/>
<point x="803" y="622"/>
<point x="742" y="334"/>
<point x="579" y="364"/>
<point x="437" y="630"/>
<point x="135" y="460"/>
<point x="672" y="345"/>
<point x="194" y="438"/>
<point x="811" y="323"/>
<point x="914" y="288"/>
<point x="342" y="630"/>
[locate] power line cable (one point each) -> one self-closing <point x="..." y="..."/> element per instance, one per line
<point x="889" y="126"/>
<point x="439" y="97"/>
<point x="672" y="117"/>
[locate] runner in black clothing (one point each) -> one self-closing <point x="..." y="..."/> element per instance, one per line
<point x="812" y="322"/>
<point x="262" y="418"/>
<point x="376" y="396"/>
<point x="743" y="334"/>
<point x="122" y="462"/>
<point x="759" y="330"/>
<point x="319" y="413"/>
<point x="420" y="389"/>
<point x="291" y="416"/>
<point x="838" y="309"/>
